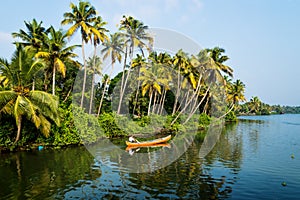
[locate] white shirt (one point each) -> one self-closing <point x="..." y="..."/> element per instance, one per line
<point x="131" y="139"/>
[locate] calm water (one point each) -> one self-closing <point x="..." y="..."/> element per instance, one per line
<point x="250" y="161"/>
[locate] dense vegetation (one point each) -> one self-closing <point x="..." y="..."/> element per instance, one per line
<point x="38" y="85"/>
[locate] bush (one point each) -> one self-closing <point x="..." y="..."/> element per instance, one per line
<point x="231" y="117"/>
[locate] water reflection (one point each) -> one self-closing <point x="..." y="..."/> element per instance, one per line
<point x="74" y="174"/>
<point x="37" y="175"/>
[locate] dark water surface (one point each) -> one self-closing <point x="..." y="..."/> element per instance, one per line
<point x="252" y="160"/>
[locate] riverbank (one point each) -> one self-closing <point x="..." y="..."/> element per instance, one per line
<point x="88" y="129"/>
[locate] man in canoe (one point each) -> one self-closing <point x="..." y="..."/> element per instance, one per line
<point x="132" y="139"/>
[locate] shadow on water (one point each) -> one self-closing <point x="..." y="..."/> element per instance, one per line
<point x="74" y="174"/>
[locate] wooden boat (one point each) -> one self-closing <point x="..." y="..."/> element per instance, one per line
<point x="128" y="148"/>
<point x="149" y="143"/>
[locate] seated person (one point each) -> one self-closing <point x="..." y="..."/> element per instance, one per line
<point x="133" y="140"/>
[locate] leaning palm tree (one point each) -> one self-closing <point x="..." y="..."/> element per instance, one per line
<point x="113" y="49"/>
<point x="235" y="93"/>
<point x="216" y="55"/>
<point x="255" y="104"/>
<point x="20" y="101"/>
<point x="56" y="53"/>
<point x="81" y="17"/>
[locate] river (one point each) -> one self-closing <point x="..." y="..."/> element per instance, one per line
<point x="256" y="158"/>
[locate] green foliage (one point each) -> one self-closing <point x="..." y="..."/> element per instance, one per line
<point x="108" y="124"/>
<point x="65" y="134"/>
<point x="231" y="117"/>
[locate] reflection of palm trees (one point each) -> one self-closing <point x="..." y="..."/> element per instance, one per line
<point x="53" y="173"/>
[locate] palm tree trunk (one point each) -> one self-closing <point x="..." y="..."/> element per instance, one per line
<point x="102" y="97"/>
<point x="137" y="92"/>
<point x="232" y="106"/>
<point x="177" y="92"/>
<point x="106" y="82"/>
<point x="193" y="97"/>
<point x="154" y="102"/>
<point x="53" y="80"/>
<point x="33" y="84"/>
<point x="19" y="129"/>
<point x="93" y="80"/>
<point x="150" y="101"/>
<point x="122" y="83"/>
<point x="160" y="101"/>
<point x="84" y="75"/>
<point x="196" y="108"/>
<point x="163" y="102"/>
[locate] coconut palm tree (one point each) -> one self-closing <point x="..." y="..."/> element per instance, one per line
<point x="98" y="25"/>
<point x="163" y="63"/>
<point x="255" y="104"/>
<point x="56" y="53"/>
<point x="135" y="33"/>
<point x="180" y="61"/>
<point x="113" y="49"/>
<point x="94" y="64"/>
<point x="33" y="38"/>
<point x="216" y="55"/>
<point x="82" y="17"/>
<point x="151" y="83"/>
<point x="20" y="101"/>
<point x="235" y="93"/>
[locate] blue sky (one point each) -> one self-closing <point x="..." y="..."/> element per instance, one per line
<point x="260" y="37"/>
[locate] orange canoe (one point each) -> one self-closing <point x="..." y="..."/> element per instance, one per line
<point x="149" y="143"/>
<point x="151" y="146"/>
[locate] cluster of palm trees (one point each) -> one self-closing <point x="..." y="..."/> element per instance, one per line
<point x="43" y="56"/>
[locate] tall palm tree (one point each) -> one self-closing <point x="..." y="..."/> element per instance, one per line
<point x="94" y="64"/>
<point x="98" y="25"/>
<point x="137" y="62"/>
<point x="81" y="17"/>
<point x="20" y="101"/>
<point x="162" y="62"/>
<point x="56" y="53"/>
<point x="135" y="33"/>
<point x="180" y="61"/>
<point x="33" y="38"/>
<point x="113" y="48"/>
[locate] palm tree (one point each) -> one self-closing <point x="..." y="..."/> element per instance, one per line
<point x="94" y="64"/>
<point x="235" y="92"/>
<point x="150" y="84"/>
<point x="56" y="53"/>
<point x="137" y="62"/>
<point x="20" y="101"/>
<point x="136" y="35"/>
<point x="98" y="25"/>
<point x="113" y="48"/>
<point x="216" y="55"/>
<point x="180" y="61"/>
<point x="162" y="62"/>
<point x="33" y="38"/>
<point x="255" y="104"/>
<point x="81" y="17"/>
